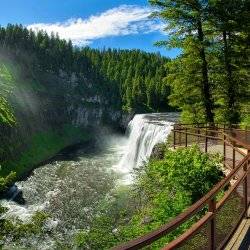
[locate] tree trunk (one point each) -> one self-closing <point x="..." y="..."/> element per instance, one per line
<point x="232" y="111"/>
<point x="208" y="103"/>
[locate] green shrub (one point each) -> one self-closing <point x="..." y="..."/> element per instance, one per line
<point x="6" y="182"/>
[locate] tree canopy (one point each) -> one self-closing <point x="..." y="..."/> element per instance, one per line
<point x="210" y="79"/>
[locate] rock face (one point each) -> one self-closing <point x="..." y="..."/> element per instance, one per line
<point x="52" y="111"/>
<point x="14" y="194"/>
<point x="158" y="151"/>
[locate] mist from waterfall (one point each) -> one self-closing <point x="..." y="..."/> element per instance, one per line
<point x="144" y="132"/>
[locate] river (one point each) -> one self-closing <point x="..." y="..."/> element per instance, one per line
<point x="70" y="189"/>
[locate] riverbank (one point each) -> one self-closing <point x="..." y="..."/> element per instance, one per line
<point x="62" y="154"/>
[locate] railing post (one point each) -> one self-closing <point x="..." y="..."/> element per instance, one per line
<point x="180" y="137"/>
<point x="224" y="149"/>
<point x="198" y="135"/>
<point x="246" y="132"/>
<point x="248" y="162"/>
<point x="186" y="138"/>
<point x="212" y="233"/>
<point x="245" y="189"/>
<point x="174" y="137"/>
<point x="206" y="142"/>
<point x="233" y="155"/>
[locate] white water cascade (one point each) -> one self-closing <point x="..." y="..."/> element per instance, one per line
<point x="144" y="132"/>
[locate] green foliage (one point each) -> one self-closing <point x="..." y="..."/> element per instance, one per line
<point x="230" y="56"/>
<point x="18" y="230"/>
<point x="6" y="115"/>
<point x="189" y="72"/>
<point x="170" y="185"/>
<point x="6" y="85"/>
<point x="7" y="181"/>
<point x="185" y="170"/>
<point x="184" y="95"/>
<point x="246" y="121"/>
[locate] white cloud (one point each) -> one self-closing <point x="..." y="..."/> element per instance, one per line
<point x="120" y="21"/>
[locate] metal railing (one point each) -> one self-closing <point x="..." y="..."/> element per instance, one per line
<point x="216" y="226"/>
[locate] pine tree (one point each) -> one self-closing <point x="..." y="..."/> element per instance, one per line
<point x="186" y="22"/>
<point x="230" y="20"/>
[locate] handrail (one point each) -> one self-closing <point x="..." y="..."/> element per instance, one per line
<point x="217" y="125"/>
<point x="224" y="199"/>
<point x="236" y="149"/>
<point x="184" y="130"/>
<point x="200" y="135"/>
<point x="239" y="142"/>
<point x="205" y="200"/>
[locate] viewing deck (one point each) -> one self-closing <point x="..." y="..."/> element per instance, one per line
<point x="224" y="223"/>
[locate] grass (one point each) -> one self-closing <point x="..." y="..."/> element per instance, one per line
<point x="45" y="145"/>
<point x="6" y="86"/>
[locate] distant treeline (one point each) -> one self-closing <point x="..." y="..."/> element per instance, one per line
<point x="139" y="75"/>
<point x="134" y="79"/>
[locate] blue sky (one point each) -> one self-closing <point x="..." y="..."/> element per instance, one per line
<point x="96" y="23"/>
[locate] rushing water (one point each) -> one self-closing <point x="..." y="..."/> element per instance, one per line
<point x="144" y="132"/>
<point x="71" y="189"/>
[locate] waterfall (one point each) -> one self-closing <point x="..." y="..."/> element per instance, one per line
<point x="80" y="181"/>
<point x="144" y="132"/>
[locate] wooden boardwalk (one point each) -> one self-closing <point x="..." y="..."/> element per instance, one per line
<point x="241" y="238"/>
